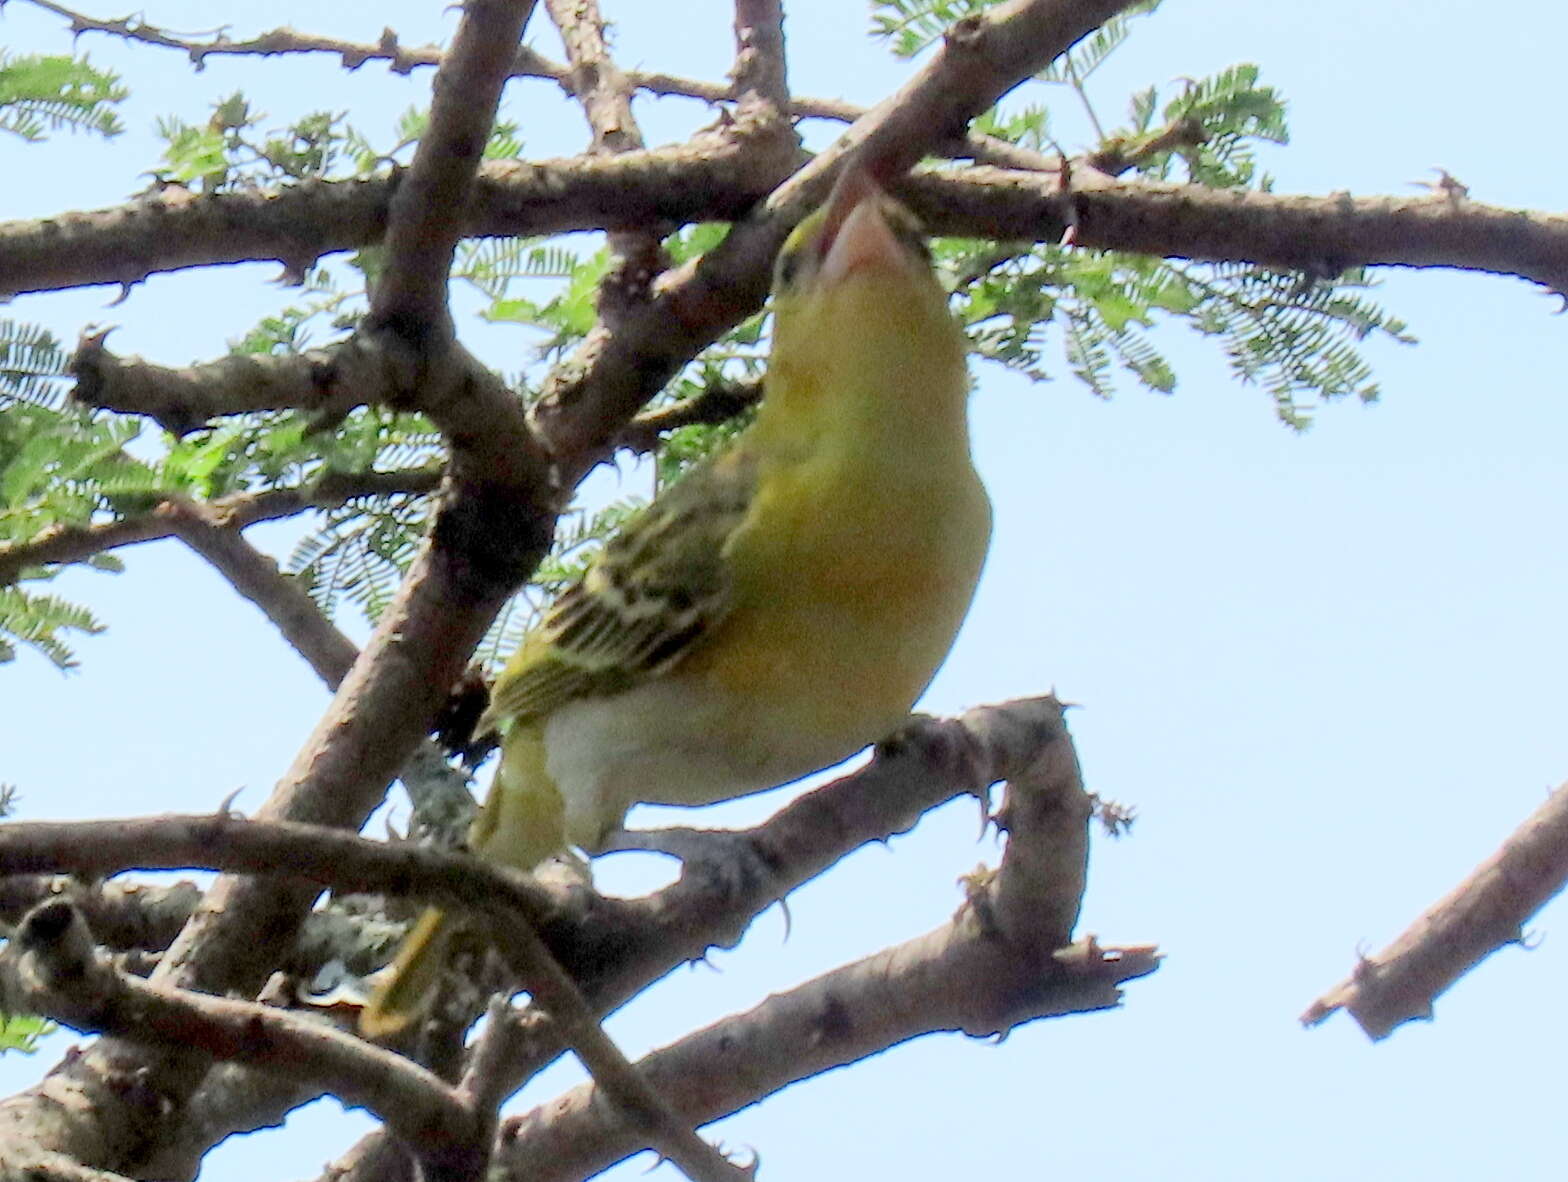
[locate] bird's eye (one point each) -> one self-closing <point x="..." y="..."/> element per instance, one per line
<point x="788" y="269"/>
<point x="907" y="229"/>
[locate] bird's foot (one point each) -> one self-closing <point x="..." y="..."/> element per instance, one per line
<point x="728" y="860"/>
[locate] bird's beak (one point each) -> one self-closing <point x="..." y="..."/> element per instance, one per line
<point x="855" y="232"/>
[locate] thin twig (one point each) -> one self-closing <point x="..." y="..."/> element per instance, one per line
<point x="718" y="403"/>
<point x="257" y="578"/>
<point x="642" y="1106"/>
<point x="405" y="59"/>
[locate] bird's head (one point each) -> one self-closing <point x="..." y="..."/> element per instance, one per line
<point x="855" y="300"/>
<point x="860" y="234"/>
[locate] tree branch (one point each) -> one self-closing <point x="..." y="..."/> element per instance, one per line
<point x="1485" y="912"/>
<point x="256" y="578"/>
<point x="492" y="527"/>
<point x="615" y="948"/>
<point x="636" y="1102"/>
<point x="321" y="855"/>
<point x="760" y="66"/>
<point x="1003" y="959"/>
<point x="593" y="78"/>
<point x="1320" y="236"/>
<point x="839" y="1018"/>
<point x="512" y="905"/>
<point x="403" y="59"/>
<point x="720" y="178"/>
<point x="605" y="96"/>
<point x="615" y="373"/>
<point x="426" y="215"/>
<point x="74" y="543"/>
<point x="718" y="403"/>
<point x="62" y="977"/>
<point x="124" y="916"/>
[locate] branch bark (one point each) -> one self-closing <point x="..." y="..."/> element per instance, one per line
<point x="720" y="178"/>
<point x="1485" y="912"/>
<point x="760" y="66"/>
<point x="426" y="215"/>
<point x="61" y="976"/>
<point x="74" y="543"/>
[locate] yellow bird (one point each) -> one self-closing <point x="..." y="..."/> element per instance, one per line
<point x="777" y="609"/>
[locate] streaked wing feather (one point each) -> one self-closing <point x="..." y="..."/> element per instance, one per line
<point x="657" y="588"/>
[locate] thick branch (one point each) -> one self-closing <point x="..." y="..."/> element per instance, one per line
<point x="615" y="948"/>
<point x="381" y="710"/>
<point x="124" y="916"/>
<point x="720" y="178"/>
<point x="1001" y="961"/>
<point x="1321" y="236"/>
<point x="491" y="529"/>
<point x="760" y="67"/>
<point x="63" y="978"/>
<point x="330" y="857"/>
<point x="173" y="229"/>
<point x="323" y="856"/>
<point x="494" y="457"/>
<point x="839" y="1018"/>
<point x="427" y="213"/>
<point x="982" y="58"/>
<point x="1485" y="912"/>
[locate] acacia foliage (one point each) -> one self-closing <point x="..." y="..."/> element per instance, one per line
<point x="1041" y="309"/>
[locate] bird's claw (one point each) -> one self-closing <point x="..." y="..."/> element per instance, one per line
<point x="729" y="860"/>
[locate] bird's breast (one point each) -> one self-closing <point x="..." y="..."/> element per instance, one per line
<point x="851" y="584"/>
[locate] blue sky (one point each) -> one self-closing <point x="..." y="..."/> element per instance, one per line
<point x="1325" y="667"/>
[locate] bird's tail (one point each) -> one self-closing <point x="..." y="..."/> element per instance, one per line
<point x="522" y="824"/>
<point x="404" y="992"/>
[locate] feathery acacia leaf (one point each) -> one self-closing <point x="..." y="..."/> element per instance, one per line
<point x="40" y="94"/>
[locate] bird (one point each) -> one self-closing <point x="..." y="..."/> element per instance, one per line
<point x="779" y="607"/>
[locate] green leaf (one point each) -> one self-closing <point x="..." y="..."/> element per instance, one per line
<point x="22" y="1032"/>
<point x="39" y="94"/>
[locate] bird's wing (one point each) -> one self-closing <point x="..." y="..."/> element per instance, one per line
<point x="657" y="588"/>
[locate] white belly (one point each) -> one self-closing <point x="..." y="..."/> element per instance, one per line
<point x="664" y="743"/>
